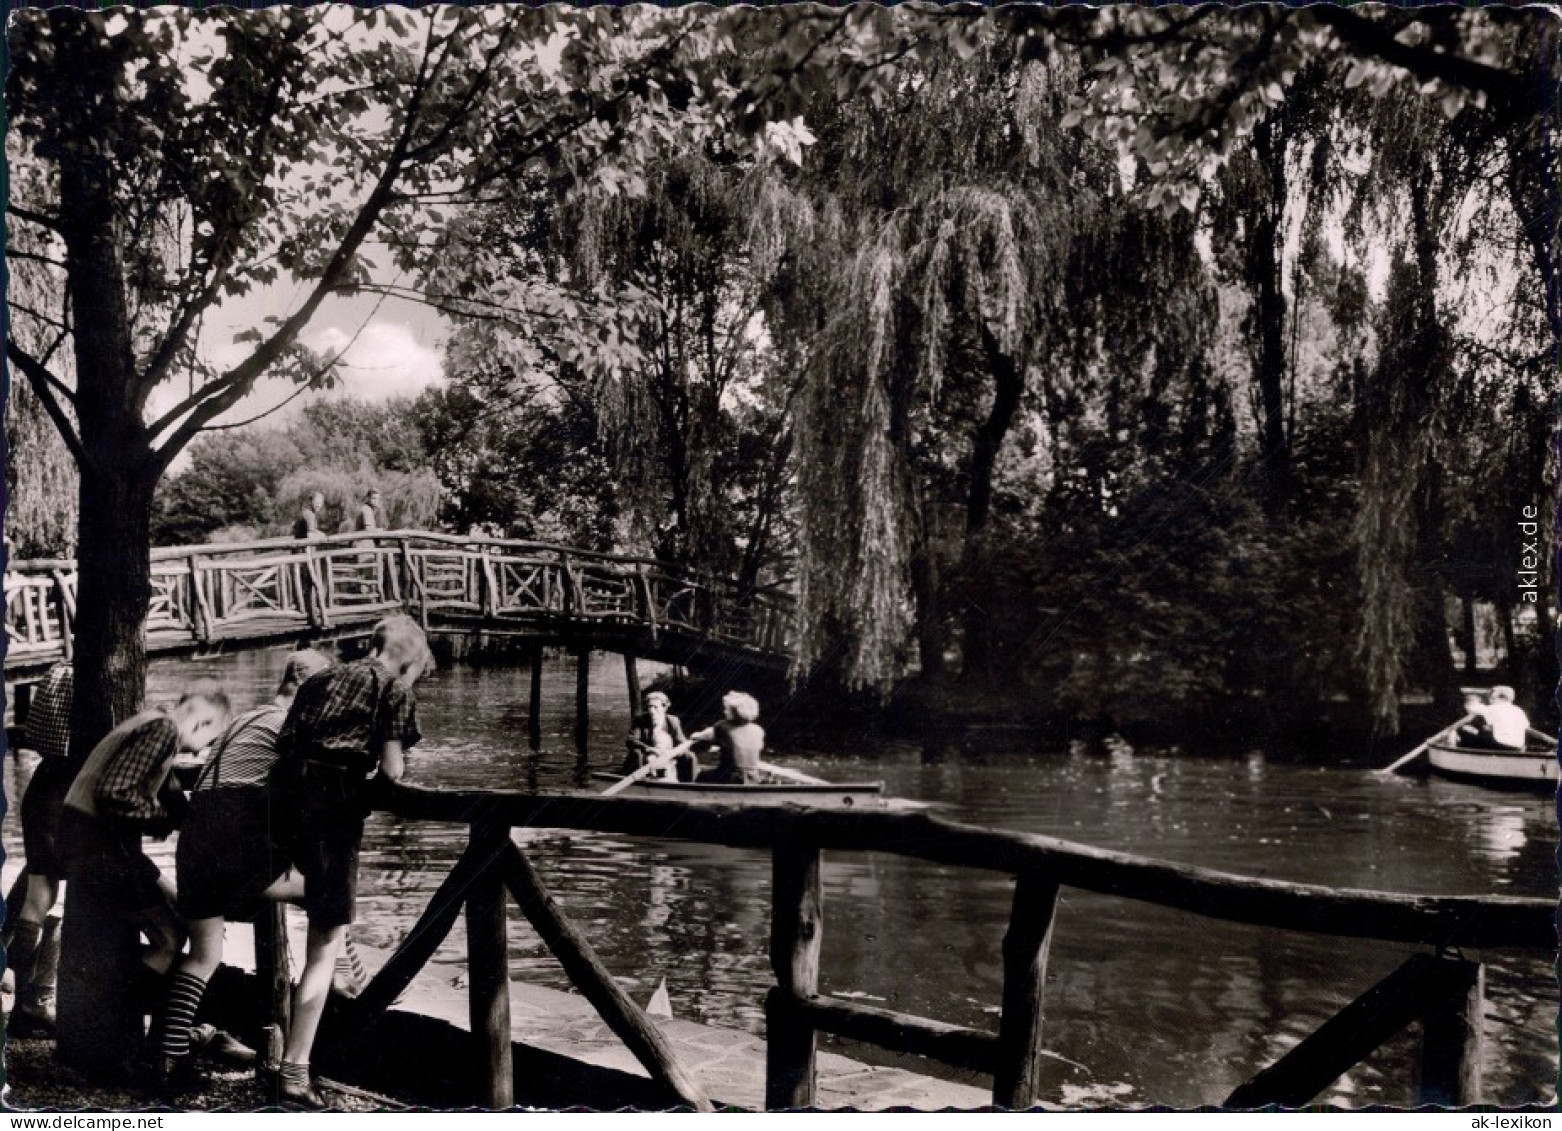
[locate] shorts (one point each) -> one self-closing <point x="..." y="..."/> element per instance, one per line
<point x="42" y="805"/>
<point x="225" y="858"/>
<point x="317" y="814"/>
<point x="110" y="861"/>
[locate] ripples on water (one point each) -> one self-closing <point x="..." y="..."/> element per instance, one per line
<point x="1144" y="1005"/>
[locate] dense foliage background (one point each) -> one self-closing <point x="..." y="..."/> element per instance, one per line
<point x="1163" y="363"/>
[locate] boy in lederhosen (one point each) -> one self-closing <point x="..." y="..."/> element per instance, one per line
<point x="226" y="868"/>
<point x="348" y="726"/>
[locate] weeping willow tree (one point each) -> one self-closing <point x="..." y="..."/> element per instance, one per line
<point x="651" y="327"/>
<point x="1418" y="116"/>
<point x="1427" y="193"/>
<point x="953" y="208"/>
<point x="695" y="422"/>
<point x="41" y="481"/>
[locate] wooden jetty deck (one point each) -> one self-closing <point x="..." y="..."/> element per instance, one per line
<point x="728" y="1064"/>
<point x="552" y="1027"/>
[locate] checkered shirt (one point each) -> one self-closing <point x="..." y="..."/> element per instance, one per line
<point x="48" y="728"/>
<point x="127" y="788"/>
<point x="246" y="751"/>
<point x="345" y="715"/>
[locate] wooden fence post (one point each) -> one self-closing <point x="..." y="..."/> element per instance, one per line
<point x="796" y="933"/>
<point x="566" y="585"/>
<point x="67" y="615"/>
<point x="272" y="968"/>
<point x="488" y="970"/>
<point x="314" y="595"/>
<point x="200" y="609"/>
<point x="1451" y="1042"/>
<point x="488" y="584"/>
<point x="401" y="578"/>
<point x="645" y="598"/>
<point x="1025" y="946"/>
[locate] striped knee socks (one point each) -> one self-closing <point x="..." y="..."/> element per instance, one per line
<point x="184" y="998"/>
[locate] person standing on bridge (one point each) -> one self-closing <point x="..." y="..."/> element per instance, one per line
<point x="368" y="517"/>
<point x="347" y="725"/>
<point x="31" y="938"/>
<point x="307" y="525"/>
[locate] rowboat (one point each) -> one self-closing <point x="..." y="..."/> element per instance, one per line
<point x="1533" y="767"/>
<point x="820" y="795"/>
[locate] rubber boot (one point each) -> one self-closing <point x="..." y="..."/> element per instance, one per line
<point x="36" y="1000"/>
<point x="32" y="1018"/>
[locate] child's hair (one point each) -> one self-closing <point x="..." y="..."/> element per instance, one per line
<point x="300" y="666"/>
<point x="399" y="639"/>
<point x="742" y="705"/>
<point x="207" y="691"/>
<point x="658" y="697"/>
<point x="1502" y="694"/>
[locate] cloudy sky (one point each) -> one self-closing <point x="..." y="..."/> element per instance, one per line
<point x="389" y="348"/>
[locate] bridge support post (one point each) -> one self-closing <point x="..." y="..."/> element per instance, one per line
<point x="534" y="707"/>
<point x="582" y="692"/>
<point x="632" y="678"/>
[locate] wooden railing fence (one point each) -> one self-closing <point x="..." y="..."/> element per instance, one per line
<point x="1444" y="993"/>
<point x="204" y="596"/>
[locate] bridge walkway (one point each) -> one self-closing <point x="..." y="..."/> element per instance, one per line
<point x="225" y="597"/>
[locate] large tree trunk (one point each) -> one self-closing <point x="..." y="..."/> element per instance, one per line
<point x="975" y="572"/>
<point x="118" y="475"/>
<point x="114" y="591"/>
<point x="99" y="1026"/>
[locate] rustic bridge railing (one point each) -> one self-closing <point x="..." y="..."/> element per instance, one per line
<point x="1442" y="992"/>
<point x="216" y="595"/>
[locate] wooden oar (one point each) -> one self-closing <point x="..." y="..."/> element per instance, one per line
<point x="655" y="762"/>
<point x="791" y="775"/>
<point x="1420" y="750"/>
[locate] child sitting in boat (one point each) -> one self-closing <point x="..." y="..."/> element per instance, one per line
<point x="655" y="732"/>
<point x="739" y="740"/>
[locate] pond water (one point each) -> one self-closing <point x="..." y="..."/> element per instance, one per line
<point x="1143" y="1005"/>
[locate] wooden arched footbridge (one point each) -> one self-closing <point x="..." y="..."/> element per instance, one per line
<point x="226" y="597"/>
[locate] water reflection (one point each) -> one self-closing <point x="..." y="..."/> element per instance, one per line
<point x="1144" y="1005"/>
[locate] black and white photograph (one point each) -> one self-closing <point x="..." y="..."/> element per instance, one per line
<point x="675" y="558"/>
